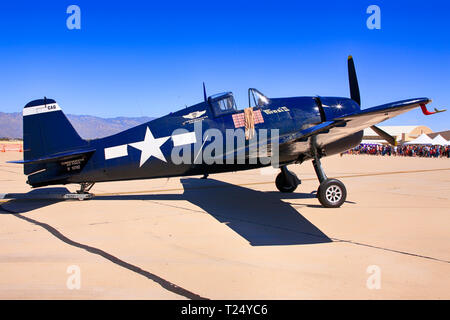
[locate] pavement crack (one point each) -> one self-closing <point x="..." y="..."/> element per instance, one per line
<point x="390" y="250"/>
<point x="169" y="286"/>
<point x="9" y="171"/>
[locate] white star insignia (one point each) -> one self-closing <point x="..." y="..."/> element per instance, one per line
<point x="150" y="147"/>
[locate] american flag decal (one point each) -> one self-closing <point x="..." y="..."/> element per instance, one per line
<point x="257" y="117"/>
<point x="239" y="118"/>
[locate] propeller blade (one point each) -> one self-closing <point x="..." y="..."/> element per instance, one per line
<point x="204" y="93"/>
<point x="386" y="136"/>
<point x="353" y="81"/>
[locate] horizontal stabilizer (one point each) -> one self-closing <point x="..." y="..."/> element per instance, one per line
<point x="55" y="157"/>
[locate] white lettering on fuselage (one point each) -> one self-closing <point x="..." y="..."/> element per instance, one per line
<point x="279" y="110"/>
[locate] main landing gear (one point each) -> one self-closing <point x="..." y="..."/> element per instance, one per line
<point x="331" y="192"/>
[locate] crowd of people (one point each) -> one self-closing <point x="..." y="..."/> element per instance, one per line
<point x="404" y="150"/>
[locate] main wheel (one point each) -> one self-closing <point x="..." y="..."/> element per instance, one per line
<point x="283" y="185"/>
<point x="332" y="193"/>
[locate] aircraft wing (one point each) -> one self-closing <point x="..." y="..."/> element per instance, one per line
<point x="338" y="128"/>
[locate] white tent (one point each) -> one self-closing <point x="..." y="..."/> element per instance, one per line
<point x="439" y="140"/>
<point x="377" y="142"/>
<point x="422" y="139"/>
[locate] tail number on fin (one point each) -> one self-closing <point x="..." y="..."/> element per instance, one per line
<point x="41" y="109"/>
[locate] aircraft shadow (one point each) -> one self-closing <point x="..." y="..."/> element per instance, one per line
<point x="262" y="218"/>
<point x="35" y="199"/>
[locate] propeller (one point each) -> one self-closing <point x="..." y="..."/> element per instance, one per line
<point x="355" y="96"/>
<point x="353" y="81"/>
<point x="204" y="93"/>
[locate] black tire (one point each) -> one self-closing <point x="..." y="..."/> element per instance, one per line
<point x="282" y="184"/>
<point x="332" y="193"/>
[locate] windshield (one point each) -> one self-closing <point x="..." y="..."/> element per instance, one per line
<point x="256" y="98"/>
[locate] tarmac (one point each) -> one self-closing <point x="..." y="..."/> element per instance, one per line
<point x="233" y="236"/>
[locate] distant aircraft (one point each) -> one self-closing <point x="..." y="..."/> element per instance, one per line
<point x="308" y="128"/>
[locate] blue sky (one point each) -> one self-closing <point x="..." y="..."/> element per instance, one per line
<point x="134" y="58"/>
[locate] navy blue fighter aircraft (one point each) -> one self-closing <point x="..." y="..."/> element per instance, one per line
<point x="309" y="128"/>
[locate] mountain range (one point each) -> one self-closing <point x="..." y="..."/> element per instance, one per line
<point x="88" y="127"/>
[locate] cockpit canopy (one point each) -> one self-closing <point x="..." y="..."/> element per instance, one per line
<point x="222" y="103"/>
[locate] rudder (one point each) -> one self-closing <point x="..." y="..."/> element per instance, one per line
<point x="46" y="131"/>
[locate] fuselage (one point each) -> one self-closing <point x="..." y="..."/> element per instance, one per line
<point x="115" y="157"/>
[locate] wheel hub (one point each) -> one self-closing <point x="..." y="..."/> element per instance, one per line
<point x="333" y="193"/>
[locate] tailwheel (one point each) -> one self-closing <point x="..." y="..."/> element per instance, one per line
<point x="83" y="193"/>
<point x="332" y="193"/>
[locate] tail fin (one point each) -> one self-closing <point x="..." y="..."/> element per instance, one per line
<point x="46" y="131"/>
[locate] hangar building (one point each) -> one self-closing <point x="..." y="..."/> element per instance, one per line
<point x="401" y="133"/>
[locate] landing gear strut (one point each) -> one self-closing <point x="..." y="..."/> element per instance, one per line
<point x="85" y="187"/>
<point x="286" y="180"/>
<point x="331" y="192"/>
